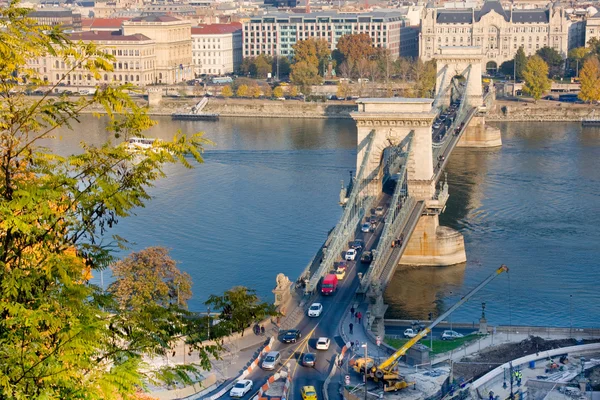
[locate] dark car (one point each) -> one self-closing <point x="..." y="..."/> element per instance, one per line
<point x="373" y="219"/>
<point x="366" y="258"/>
<point x="291" y="336"/>
<point x="340" y="264"/>
<point x="309" y="359"/>
<point x="357" y="245"/>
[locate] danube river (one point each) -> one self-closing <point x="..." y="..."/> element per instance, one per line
<point x="266" y="196"/>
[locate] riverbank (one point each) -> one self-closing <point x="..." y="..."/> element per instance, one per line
<point x="543" y="111"/>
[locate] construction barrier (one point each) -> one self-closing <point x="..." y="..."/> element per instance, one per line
<point x="263" y="389"/>
<point x="286" y="387"/>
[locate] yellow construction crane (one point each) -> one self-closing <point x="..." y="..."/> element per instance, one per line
<point x="387" y="371"/>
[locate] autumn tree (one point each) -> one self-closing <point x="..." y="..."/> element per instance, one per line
<point x="551" y="57"/>
<point x="305" y="75"/>
<point x="278" y="92"/>
<point x="576" y="57"/>
<point x="238" y="308"/>
<point x="314" y="52"/>
<point x="293" y="91"/>
<point x="226" y="91"/>
<point x="149" y="276"/>
<point x="254" y="91"/>
<point x="242" y="90"/>
<point x="590" y="80"/>
<point x="425" y="78"/>
<point x="267" y="91"/>
<point x="536" y="77"/>
<point x="62" y="336"/>
<point x="343" y="90"/>
<point x="355" y="47"/>
<point x="262" y="66"/>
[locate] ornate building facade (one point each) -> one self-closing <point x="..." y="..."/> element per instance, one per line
<point x="499" y="32"/>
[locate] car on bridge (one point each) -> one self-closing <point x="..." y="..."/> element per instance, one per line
<point x="270" y="360"/>
<point x="241" y="387"/>
<point x="308" y="359"/>
<point x="379" y="211"/>
<point x="357" y="245"/>
<point x="315" y="310"/>
<point x="308" y="393"/>
<point x="323" y="343"/>
<point x="340" y="273"/>
<point x="366" y="228"/>
<point x="340" y="264"/>
<point x="373" y="219"/>
<point x="366" y="257"/>
<point x="449" y="335"/>
<point x="351" y="254"/>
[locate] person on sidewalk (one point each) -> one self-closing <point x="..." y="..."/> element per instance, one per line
<point x="358" y="316"/>
<point x="351" y="326"/>
<point x="352" y="312"/>
<point x="262" y="330"/>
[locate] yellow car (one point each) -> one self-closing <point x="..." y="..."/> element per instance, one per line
<point x="309" y="393"/>
<point x="340" y="273"/>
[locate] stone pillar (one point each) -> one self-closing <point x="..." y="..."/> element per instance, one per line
<point x="154" y="96"/>
<point x="434" y="245"/>
<point x="479" y="135"/>
<point x="282" y="292"/>
<point x="483" y="326"/>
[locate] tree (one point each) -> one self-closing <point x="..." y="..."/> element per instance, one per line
<point x="293" y="91"/>
<point x="520" y="63"/>
<point x="402" y="68"/>
<point x="283" y="63"/>
<point x="262" y="66"/>
<point x="343" y="90"/>
<point x="149" y="276"/>
<point x="346" y="68"/>
<point x="594" y="45"/>
<point x="254" y="91"/>
<point x="239" y="307"/>
<point x="305" y="75"/>
<point x="536" y="77"/>
<point x="278" y="92"/>
<point x="590" y="80"/>
<point x="226" y="91"/>
<point x="267" y="91"/>
<point x="63" y="337"/>
<point x="576" y="58"/>
<point x="552" y="58"/>
<point x="425" y="77"/>
<point x="355" y="47"/>
<point x="315" y="52"/>
<point x="242" y="91"/>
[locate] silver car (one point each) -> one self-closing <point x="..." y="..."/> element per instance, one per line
<point x="270" y="360"/>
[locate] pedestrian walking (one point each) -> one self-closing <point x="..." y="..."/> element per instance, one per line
<point x="358" y="316"/>
<point x="352" y="312"/>
<point x="262" y="330"/>
<point x="351" y="326"/>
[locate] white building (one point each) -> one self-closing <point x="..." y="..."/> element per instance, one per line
<point x="275" y="34"/>
<point x="498" y="31"/>
<point x="592" y="28"/>
<point x="217" y="48"/>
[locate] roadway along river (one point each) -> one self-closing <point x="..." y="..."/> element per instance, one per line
<point x="267" y="195"/>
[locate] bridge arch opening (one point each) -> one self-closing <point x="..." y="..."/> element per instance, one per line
<point x="457" y="88"/>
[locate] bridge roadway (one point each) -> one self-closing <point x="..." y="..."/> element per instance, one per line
<point x="324" y="326"/>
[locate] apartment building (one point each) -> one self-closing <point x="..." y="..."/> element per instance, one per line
<point x="173" y="45"/>
<point x="592" y="28"/>
<point x="67" y="19"/>
<point x="500" y="32"/>
<point x="275" y="34"/>
<point x="217" y="48"/>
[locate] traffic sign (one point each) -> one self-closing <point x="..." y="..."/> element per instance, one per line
<point x="378" y="340"/>
<point x="347" y="379"/>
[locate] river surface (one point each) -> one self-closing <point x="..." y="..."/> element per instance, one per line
<point x="266" y="196"/>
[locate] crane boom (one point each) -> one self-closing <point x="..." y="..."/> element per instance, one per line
<point x="402" y="350"/>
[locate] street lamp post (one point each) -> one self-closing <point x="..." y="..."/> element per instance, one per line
<point x="365" y="374"/>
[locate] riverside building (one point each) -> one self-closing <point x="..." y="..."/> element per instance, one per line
<point x="275" y="34"/>
<point x="500" y="32"/>
<point x="217" y="48"/>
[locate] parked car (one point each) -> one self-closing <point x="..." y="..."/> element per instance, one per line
<point x="323" y="343"/>
<point x="449" y="335"/>
<point x="241" y="387"/>
<point x="351" y="254"/>
<point x="315" y="310"/>
<point x="366" y="257"/>
<point x="308" y="393"/>
<point x="309" y="359"/>
<point x="291" y="336"/>
<point x="270" y="360"/>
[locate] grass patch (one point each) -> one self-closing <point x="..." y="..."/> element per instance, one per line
<point x="439" y="346"/>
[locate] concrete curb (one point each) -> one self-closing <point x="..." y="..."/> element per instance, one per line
<point x="339" y="356"/>
<point x="227" y="386"/>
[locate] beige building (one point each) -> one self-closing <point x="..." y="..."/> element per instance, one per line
<point x="500" y="32"/>
<point x="173" y="45"/>
<point x="217" y="48"/>
<point x="135" y="61"/>
<point x="592" y="28"/>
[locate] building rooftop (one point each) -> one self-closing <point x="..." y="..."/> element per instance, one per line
<point x="216" y="29"/>
<point x="466" y="15"/>
<point x="51" y="13"/>
<point x="108" y="35"/>
<point x="103" y="23"/>
<point x="155" y="18"/>
<point x="386" y="15"/>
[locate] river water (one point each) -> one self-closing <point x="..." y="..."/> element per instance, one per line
<point x="266" y="196"/>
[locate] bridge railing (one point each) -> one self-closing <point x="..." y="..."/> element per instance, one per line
<point x="346" y="226"/>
